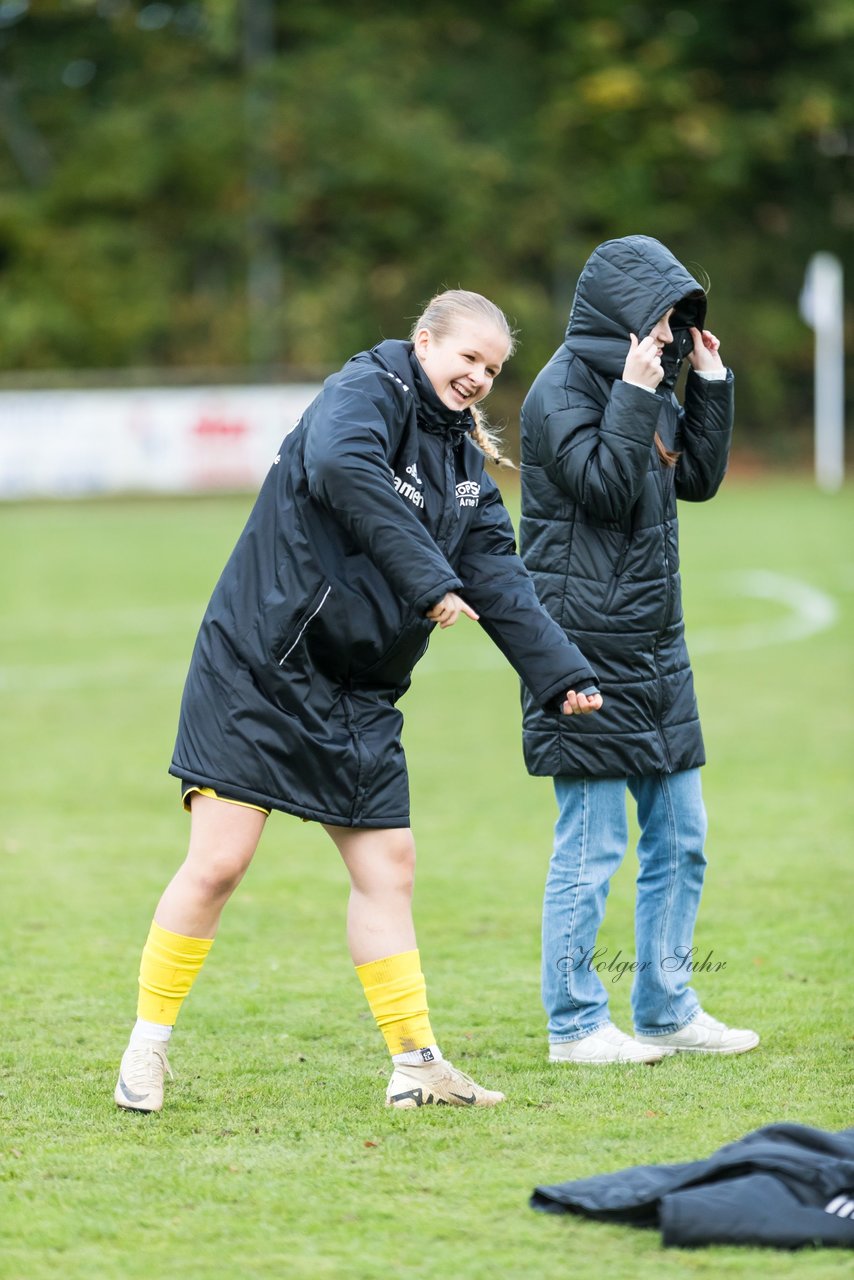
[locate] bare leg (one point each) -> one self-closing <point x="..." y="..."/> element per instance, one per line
<point x="223" y="840"/>
<point x="380" y="929"/>
<point x="381" y="864"/>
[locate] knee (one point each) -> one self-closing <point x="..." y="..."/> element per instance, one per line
<point x="400" y="863"/>
<point x="217" y="875"/>
<point x="394" y="869"/>
<point x="223" y="839"/>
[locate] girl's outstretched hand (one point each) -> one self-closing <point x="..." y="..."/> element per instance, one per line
<point x="705" y="355"/>
<point x="581" y="704"/>
<point x="449" y="609"/>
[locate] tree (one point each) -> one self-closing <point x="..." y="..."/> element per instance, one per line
<point x="378" y="154"/>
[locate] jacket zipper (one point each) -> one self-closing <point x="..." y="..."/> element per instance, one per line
<point x="660" y="708"/>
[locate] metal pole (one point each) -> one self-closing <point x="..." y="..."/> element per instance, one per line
<point x="824" y="311"/>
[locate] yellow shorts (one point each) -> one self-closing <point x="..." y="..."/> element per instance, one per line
<point x="188" y="790"/>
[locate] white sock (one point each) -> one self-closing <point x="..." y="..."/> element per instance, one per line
<point x="149" y="1031"/>
<point x="418" y="1057"/>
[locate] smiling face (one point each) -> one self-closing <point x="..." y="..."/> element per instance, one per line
<point x="463" y="364"/>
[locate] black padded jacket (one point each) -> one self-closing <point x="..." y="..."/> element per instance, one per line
<point x="785" y="1185"/>
<point x="376" y="506"/>
<point x="599" y="529"/>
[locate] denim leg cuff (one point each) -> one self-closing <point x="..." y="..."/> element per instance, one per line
<point x="667" y="1031"/>
<point x="579" y="1035"/>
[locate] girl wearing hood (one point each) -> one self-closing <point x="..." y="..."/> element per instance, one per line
<point x="375" y="523"/>
<point x="607" y="449"/>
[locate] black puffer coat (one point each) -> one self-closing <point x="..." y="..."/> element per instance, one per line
<point x="376" y="507"/>
<point x="599" y="530"/>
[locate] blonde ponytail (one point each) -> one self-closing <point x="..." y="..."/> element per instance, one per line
<point x="486" y="440"/>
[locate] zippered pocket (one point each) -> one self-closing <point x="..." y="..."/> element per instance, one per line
<point x="398" y="660"/>
<point x="286" y="648"/>
<point x="617" y="574"/>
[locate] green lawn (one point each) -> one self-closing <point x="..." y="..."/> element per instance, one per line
<point x="275" y="1156"/>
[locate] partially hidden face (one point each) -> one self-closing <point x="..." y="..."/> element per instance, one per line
<point x="462" y="365"/>
<point x="661" y="333"/>
<point x="673" y="330"/>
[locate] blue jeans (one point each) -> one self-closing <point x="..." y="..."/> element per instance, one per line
<point x="591" y="835"/>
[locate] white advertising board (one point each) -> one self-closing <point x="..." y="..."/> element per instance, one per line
<point x="75" y="443"/>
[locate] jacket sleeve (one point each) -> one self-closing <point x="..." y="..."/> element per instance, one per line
<point x="600" y="458"/>
<point x="347" y="450"/>
<point x="498" y="586"/>
<point x="705" y="435"/>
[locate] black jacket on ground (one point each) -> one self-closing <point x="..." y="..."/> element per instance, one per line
<point x="376" y="506"/>
<point x="786" y="1185"/>
<point x="599" y="530"/>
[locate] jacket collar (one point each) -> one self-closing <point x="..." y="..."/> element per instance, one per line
<point x="399" y="359"/>
<point x="433" y="415"/>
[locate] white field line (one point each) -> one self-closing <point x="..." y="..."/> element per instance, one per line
<point x="808" y="611"/>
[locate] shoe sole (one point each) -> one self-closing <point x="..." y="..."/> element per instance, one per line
<point x="126" y="1104"/>
<point x="670" y="1050"/>
<point x="414" y="1098"/>
<point x="409" y="1104"/>
<point x="609" y="1062"/>
<point x="132" y="1106"/>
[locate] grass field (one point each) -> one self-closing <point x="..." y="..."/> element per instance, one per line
<point x="275" y="1156"/>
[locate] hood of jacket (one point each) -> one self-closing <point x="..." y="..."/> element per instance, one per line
<point x="626" y="286"/>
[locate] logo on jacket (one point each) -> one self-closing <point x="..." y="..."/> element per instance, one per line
<point x="407" y="489"/>
<point x="412" y="470"/>
<point x="842" y="1206"/>
<point x="468" y="493"/>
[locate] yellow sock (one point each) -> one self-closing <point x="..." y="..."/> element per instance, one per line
<point x="170" y="963"/>
<point x="397" y="995"/>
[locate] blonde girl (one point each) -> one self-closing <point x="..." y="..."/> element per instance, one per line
<point x="375" y="523"/>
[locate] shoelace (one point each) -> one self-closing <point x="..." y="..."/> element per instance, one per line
<point x="145" y="1068"/>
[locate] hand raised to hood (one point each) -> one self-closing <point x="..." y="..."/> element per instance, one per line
<point x="705" y="357"/>
<point x="643" y="366"/>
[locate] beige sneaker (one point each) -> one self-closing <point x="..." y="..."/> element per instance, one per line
<point x="704" y="1034"/>
<point x="140" y="1083"/>
<point x="436" y="1084"/>
<point x="608" y="1044"/>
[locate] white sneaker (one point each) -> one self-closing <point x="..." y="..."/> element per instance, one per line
<point x="608" y="1044"/>
<point x="140" y="1083"/>
<point x="436" y="1084"/>
<point x="704" y="1034"/>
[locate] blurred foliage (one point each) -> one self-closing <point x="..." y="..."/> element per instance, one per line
<point x="181" y="185"/>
